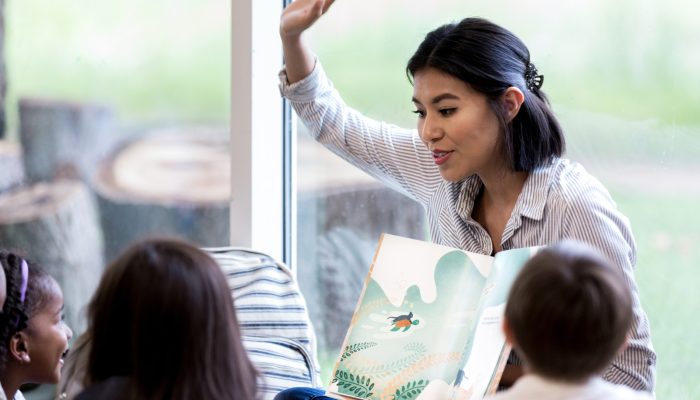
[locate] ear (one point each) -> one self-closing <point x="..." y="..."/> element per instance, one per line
<point x="18" y="347"/>
<point x="508" y="332"/>
<point x="512" y="99"/>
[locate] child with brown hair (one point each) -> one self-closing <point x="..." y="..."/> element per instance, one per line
<point x="162" y="326"/>
<point x="33" y="336"/>
<point x="568" y="315"/>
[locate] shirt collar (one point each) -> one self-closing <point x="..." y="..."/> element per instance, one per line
<point x="531" y="201"/>
<point x="533" y="197"/>
<point x="468" y="190"/>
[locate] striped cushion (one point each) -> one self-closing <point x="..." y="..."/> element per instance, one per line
<point x="273" y="318"/>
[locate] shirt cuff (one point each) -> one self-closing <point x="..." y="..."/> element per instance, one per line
<point x="307" y="89"/>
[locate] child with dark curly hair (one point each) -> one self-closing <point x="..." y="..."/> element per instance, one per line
<point x="33" y="336"/>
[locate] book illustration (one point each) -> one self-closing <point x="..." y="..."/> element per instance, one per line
<point x="426" y="312"/>
<point x="403" y="321"/>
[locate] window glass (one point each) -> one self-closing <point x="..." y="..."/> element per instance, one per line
<point x="622" y="78"/>
<point x="118" y="115"/>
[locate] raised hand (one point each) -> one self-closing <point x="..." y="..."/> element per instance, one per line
<point x="297" y="18"/>
<point x="300" y="15"/>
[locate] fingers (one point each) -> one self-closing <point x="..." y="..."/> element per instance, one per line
<point x="302" y="14"/>
<point x="326" y="5"/>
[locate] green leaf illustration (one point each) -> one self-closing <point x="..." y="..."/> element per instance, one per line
<point x="360" y="386"/>
<point x="414" y="351"/>
<point x="410" y="390"/>
<point x="354" y="348"/>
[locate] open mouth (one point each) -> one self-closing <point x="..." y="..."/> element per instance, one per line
<point x="441" y="157"/>
<point x="64" y="355"/>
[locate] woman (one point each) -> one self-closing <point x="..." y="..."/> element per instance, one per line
<point x="485" y="160"/>
<point x="162" y="326"/>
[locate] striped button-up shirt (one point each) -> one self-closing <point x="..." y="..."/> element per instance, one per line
<point x="558" y="201"/>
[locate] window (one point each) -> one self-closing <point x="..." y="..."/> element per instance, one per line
<point x="122" y="110"/>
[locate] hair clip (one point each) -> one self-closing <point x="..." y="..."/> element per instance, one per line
<point x="25" y="276"/>
<point x="532" y="79"/>
<point x="21" y="317"/>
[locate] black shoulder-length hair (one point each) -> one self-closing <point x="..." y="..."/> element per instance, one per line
<point x="490" y="59"/>
<point x="163" y="317"/>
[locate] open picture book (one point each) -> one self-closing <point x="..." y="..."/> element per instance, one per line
<point x="427" y="324"/>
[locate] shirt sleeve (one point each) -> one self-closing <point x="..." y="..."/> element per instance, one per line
<point x="593" y="218"/>
<point x="395" y="156"/>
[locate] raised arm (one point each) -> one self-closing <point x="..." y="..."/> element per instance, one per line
<point x="391" y="154"/>
<point x="297" y="18"/>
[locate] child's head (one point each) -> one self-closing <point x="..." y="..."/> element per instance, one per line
<point x="568" y="312"/>
<point x="163" y="316"/>
<point x="33" y="334"/>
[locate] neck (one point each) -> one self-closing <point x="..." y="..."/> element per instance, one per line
<point x="11" y="381"/>
<point x="502" y="188"/>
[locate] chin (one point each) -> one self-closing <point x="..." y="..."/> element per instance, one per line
<point x="454" y="175"/>
<point x="452" y="178"/>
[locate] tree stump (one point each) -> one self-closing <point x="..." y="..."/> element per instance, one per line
<point x="55" y="224"/>
<point x="63" y="139"/>
<point x="11" y="168"/>
<point x="170" y="183"/>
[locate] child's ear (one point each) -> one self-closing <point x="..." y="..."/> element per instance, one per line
<point x="19" y="349"/>
<point x="512" y="99"/>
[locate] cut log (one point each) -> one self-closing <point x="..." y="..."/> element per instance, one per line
<point x="63" y="139"/>
<point x="169" y="183"/>
<point x="11" y="168"/>
<point x="55" y="224"/>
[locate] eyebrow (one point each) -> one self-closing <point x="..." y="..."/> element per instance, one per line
<point x="439" y="98"/>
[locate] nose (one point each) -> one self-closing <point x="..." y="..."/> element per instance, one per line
<point x="69" y="331"/>
<point x="429" y="128"/>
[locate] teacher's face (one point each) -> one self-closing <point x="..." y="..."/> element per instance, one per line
<point x="457" y="125"/>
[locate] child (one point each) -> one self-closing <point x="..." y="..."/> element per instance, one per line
<point x="568" y="315"/>
<point x="162" y="326"/>
<point x="33" y="336"/>
<point x="3" y="294"/>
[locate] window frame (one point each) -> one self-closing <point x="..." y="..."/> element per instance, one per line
<point x="263" y="163"/>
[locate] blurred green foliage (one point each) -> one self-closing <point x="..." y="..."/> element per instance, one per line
<point x="155" y="60"/>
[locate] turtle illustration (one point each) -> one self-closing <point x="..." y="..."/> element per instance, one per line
<point x="403" y="321"/>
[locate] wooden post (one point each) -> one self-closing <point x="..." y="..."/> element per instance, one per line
<point x="11" y="168"/>
<point x="169" y="183"/>
<point x="55" y="224"/>
<point x="63" y="139"/>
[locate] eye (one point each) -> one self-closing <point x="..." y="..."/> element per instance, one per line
<point x="446" y="112"/>
<point x="419" y="113"/>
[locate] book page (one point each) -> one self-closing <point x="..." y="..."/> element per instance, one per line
<point x="486" y="345"/>
<point x="408" y="333"/>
